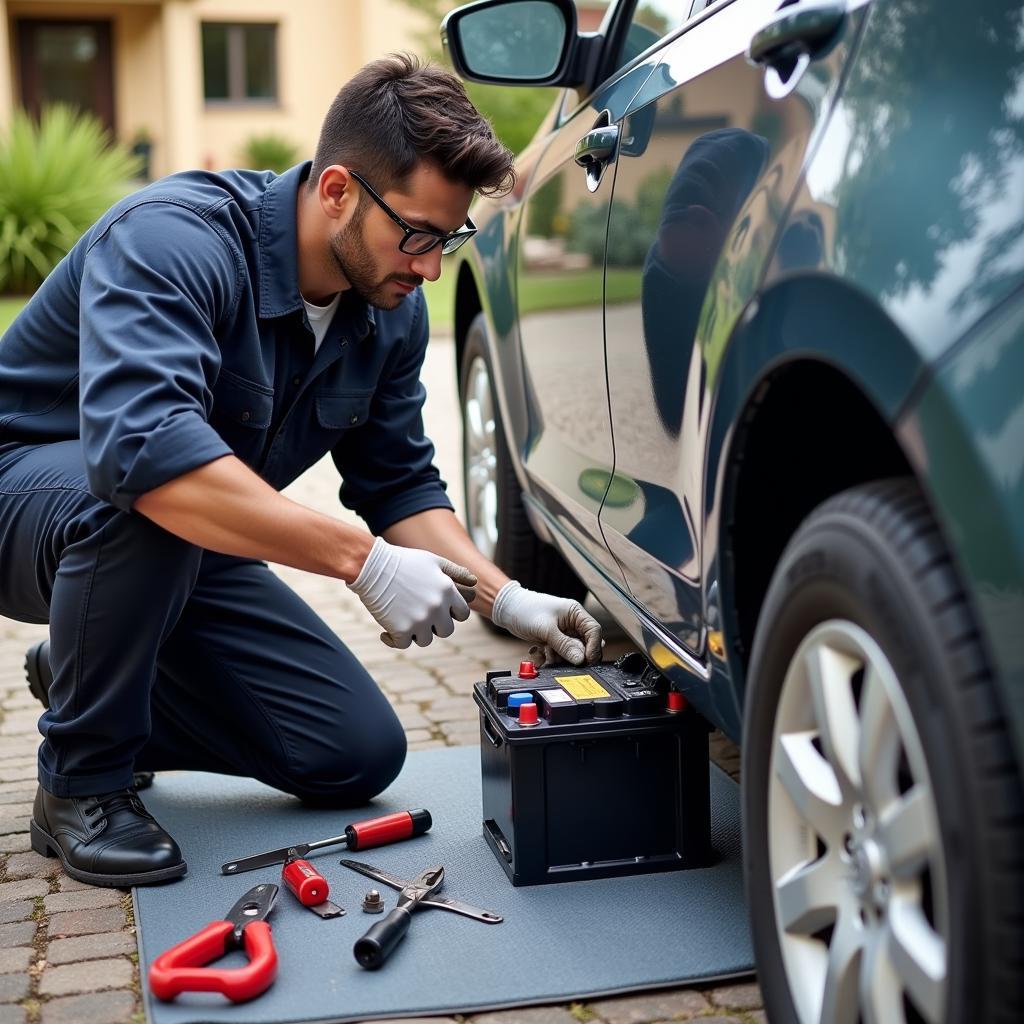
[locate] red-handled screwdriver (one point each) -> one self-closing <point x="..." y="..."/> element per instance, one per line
<point x="362" y="835"/>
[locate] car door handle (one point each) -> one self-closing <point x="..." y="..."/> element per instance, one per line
<point x="806" y="27"/>
<point x="595" y="150"/>
<point x="597" y="146"/>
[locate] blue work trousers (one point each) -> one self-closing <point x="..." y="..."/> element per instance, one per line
<point x="166" y="656"/>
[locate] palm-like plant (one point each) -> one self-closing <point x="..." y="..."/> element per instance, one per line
<point x="57" y="176"/>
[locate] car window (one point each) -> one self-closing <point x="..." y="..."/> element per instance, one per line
<point x="651" y="21"/>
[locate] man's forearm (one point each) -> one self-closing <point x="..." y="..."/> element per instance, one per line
<point x="438" y="530"/>
<point x="224" y="506"/>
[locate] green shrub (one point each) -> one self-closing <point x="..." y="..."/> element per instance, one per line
<point x="56" y="178"/>
<point x="269" y="153"/>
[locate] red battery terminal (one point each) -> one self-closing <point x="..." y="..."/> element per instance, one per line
<point x="528" y="714"/>
<point x="527" y="670"/>
<point x="676" y="702"/>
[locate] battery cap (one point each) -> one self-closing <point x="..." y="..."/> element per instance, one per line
<point x="528" y="714"/>
<point x="676" y="702"/>
<point x="517" y="700"/>
<point x="527" y="670"/>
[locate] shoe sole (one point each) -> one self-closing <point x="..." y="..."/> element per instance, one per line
<point x="46" y="846"/>
<point x="35" y="676"/>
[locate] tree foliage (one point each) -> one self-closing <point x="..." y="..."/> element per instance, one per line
<point x="513" y="112"/>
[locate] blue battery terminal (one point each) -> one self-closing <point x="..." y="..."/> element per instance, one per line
<point x="515" y="700"/>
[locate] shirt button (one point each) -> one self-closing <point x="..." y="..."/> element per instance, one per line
<point x="353" y="418"/>
<point x="246" y="416"/>
<point x="296" y="381"/>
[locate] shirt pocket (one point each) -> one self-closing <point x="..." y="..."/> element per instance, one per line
<point x="242" y="411"/>
<point x="342" y="409"/>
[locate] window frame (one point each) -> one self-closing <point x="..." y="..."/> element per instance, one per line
<point x="236" y="65"/>
<point x="613" y="29"/>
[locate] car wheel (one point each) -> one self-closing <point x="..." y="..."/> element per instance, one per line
<point x="882" y="801"/>
<point x="495" y="517"/>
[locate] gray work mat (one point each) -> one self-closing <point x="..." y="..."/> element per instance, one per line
<point x="557" y="942"/>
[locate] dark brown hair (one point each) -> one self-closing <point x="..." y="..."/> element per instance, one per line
<point x="396" y="112"/>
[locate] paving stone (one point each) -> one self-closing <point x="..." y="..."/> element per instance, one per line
<point x="411" y="717"/>
<point x="88" y="976"/>
<point x="21" y="796"/>
<point x="13" y="987"/>
<point x="758" y="1017"/>
<point x="641" y="1009"/>
<point x="16" y="842"/>
<point x="25" y="785"/>
<point x="19" y="775"/>
<point x="528" y="1015"/>
<point x="14" y="818"/>
<point x="16" y="910"/>
<point x="12" y="1014"/>
<point x="425" y="696"/>
<point x="465" y="711"/>
<point x="86" y="922"/>
<point x="69" y="884"/>
<point x="30" y="865"/>
<point x="737" y="997"/>
<point x="98" y="1008"/>
<point x="90" y="947"/>
<point x="405" y="684"/>
<point x="18" y="934"/>
<point x="417" y="735"/>
<point x="427" y="745"/>
<point x="84" y="899"/>
<point x="15" y="959"/>
<point x="24" y="888"/>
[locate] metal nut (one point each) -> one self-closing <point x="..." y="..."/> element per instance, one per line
<point x="372" y="903"/>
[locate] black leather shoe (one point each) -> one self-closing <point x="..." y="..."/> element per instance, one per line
<point x="105" y="840"/>
<point x="37" y="669"/>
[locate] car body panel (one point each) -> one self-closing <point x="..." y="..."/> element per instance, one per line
<point x="567" y="452"/>
<point x="696" y="211"/>
<point x="965" y="434"/>
<point x="889" y="247"/>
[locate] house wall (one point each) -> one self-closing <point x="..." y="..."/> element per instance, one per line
<point x="158" y="68"/>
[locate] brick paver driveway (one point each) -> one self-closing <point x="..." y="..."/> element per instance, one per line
<point x="68" y="951"/>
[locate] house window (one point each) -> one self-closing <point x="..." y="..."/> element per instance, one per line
<point x="239" y="62"/>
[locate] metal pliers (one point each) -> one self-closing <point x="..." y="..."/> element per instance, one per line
<point x="183" y="967"/>
<point x="374" y="947"/>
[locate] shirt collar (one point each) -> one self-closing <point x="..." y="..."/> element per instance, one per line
<point x="279" y="252"/>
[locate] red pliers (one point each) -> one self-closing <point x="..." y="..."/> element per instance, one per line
<point x="183" y="967"/>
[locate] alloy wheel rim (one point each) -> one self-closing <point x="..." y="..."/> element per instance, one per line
<point x="855" y="852"/>
<point x="481" y="462"/>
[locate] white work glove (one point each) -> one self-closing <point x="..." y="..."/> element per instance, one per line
<point x="413" y="594"/>
<point x="562" y="627"/>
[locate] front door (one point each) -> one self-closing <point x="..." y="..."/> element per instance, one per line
<point x="560" y="284"/>
<point x="66" y="62"/>
<point x="716" y="150"/>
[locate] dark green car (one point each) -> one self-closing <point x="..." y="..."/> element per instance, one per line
<point x="743" y="355"/>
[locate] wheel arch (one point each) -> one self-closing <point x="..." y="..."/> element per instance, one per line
<point x="806" y="401"/>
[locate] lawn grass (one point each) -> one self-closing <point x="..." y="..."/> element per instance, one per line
<point x="9" y="309"/>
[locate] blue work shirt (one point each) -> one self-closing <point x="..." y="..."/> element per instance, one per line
<point x="173" y="333"/>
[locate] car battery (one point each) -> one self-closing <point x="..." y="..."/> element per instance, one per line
<point x="591" y="773"/>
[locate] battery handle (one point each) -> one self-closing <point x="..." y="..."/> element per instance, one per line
<point x="489" y="731"/>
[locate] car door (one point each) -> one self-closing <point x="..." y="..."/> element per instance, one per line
<point x="559" y="294"/>
<point x="713" y="147"/>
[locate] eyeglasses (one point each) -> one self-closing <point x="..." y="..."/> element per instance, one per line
<point x="418" y="241"/>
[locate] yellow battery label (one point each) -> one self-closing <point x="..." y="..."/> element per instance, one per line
<point x="582" y="687"/>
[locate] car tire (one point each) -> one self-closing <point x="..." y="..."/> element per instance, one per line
<point x="495" y="517"/>
<point x="882" y="802"/>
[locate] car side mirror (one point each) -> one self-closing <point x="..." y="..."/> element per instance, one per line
<point x="512" y="42"/>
